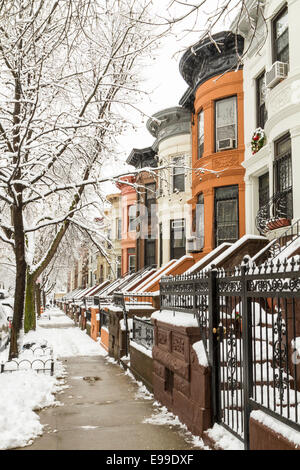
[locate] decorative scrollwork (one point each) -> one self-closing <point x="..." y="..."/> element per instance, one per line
<point x="280" y="355"/>
<point x="231" y="345"/>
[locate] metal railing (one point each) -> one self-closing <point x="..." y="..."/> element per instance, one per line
<point x="38" y="365"/>
<point x="142" y="300"/>
<point x="250" y="318"/>
<point x="142" y="332"/>
<point x="278" y="208"/>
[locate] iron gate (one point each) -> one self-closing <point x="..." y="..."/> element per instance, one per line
<point x="229" y="349"/>
<point x="249" y="320"/>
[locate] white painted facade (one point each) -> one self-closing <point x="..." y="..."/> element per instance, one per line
<point x="282" y="103"/>
<point x="173" y="141"/>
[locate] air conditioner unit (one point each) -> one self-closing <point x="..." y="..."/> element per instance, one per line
<point x="177" y="224"/>
<point x="225" y="144"/>
<point x="277" y="72"/>
<point x="194" y="244"/>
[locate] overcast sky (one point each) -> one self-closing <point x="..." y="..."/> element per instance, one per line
<point x="162" y="79"/>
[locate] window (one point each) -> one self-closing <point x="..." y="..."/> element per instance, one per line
<point x="119" y="228"/>
<point x="200" y="134"/>
<point x="150" y="252"/>
<point x="178" y="174"/>
<point x="283" y="178"/>
<point x="262" y="114"/>
<point x="263" y="189"/>
<point x="150" y="199"/>
<point x="119" y="266"/>
<point x="131" y="218"/>
<point x="200" y="218"/>
<point x="226" y="123"/>
<point x="281" y="37"/>
<point x="131" y="260"/>
<point x="160" y="244"/>
<point x="226" y="215"/>
<point x="177" y="238"/>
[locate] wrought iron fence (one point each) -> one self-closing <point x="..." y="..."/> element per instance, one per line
<point x="188" y="293"/>
<point x="38" y="365"/>
<point x="250" y="317"/>
<point x="143" y="332"/>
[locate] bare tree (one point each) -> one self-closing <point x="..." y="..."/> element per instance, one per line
<point x="194" y="21"/>
<point x="64" y="66"/>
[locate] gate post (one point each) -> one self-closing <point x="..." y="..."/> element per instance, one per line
<point x="214" y="319"/>
<point x="247" y="353"/>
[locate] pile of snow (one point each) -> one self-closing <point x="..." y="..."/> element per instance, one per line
<point x="224" y="439"/>
<point x="26" y="391"/>
<point x="22" y="393"/>
<point x="175" y="318"/>
<point x="199" y="349"/>
<point x="163" y="417"/>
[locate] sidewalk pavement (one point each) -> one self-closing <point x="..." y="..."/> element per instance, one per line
<point x="100" y="410"/>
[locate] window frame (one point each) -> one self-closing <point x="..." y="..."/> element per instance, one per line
<point x="236" y="196"/>
<point x="200" y="145"/>
<point x="259" y="105"/>
<point x="278" y="15"/>
<point x="236" y="120"/>
<point x="151" y="242"/>
<point x="132" y="218"/>
<point x="131" y="254"/>
<point x="182" y="174"/>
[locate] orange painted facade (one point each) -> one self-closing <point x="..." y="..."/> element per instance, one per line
<point x="227" y="162"/>
<point x="128" y="242"/>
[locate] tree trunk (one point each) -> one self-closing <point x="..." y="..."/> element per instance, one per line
<point x="20" y="280"/>
<point x="29" y="319"/>
<point x="38" y="299"/>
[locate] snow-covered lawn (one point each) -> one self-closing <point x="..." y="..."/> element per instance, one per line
<point x="26" y="391"/>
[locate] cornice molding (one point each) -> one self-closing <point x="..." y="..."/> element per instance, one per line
<point x="203" y="61"/>
<point x="169" y="123"/>
<point x="140" y="158"/>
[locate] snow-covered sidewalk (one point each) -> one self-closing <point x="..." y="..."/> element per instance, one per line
<point x="25" y="391"/>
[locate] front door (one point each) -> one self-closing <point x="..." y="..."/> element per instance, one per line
<point x="226" y="215"/>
